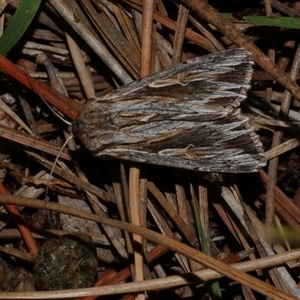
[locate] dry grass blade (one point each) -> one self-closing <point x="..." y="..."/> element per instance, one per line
<point x="190" y="35"/>
<point x="113" y="36"/>
<point x="32" y="142"/>
<point x="283" y="148"/>
<point x="110" y="61"/>
<point x="183" y="15"/>
<point x="187" y="231"/>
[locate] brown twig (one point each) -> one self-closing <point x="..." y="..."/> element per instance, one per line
<point x="21" y="224"/>
<point x="59" y="101"/>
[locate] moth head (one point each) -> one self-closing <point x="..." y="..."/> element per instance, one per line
<point x="78" y="128"/>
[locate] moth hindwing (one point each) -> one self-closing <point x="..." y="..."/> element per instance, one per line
<point x="187" y="116"/>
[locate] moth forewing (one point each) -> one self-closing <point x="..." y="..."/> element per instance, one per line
<point x="187" y="117"/>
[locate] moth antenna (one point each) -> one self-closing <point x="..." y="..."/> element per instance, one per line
<point x="54" y="112"/>
<point x="54" y="165"/>
<point x="37" y="92"/>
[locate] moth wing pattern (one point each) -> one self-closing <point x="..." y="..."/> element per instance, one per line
<point x="186" y="116"/>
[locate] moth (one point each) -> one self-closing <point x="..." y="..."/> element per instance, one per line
<point x="187" y="116"/>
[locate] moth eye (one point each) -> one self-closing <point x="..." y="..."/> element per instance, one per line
<point x="70" y="128"/>
<point x="78" y="128"/>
